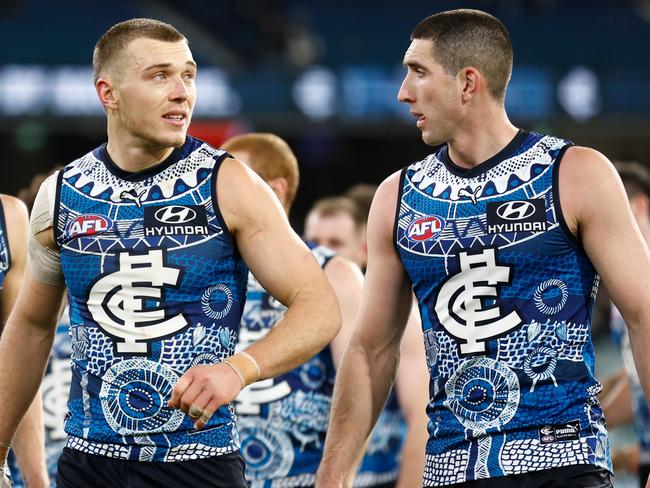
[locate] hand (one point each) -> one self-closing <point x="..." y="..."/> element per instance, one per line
<point x="203" y="389"/>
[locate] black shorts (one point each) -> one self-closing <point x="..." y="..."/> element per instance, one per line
<point x="79" y="470"/>
<point x="578" y="476"/>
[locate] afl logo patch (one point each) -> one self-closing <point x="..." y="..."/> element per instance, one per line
<point x="425" y="228"/>
<point x="88" y="225"/>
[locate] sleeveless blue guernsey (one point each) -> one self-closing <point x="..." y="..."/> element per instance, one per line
<point x="5" y="256"/>
<point x="282" y="421"/>
<point x="381" y="463"/>
<point x="155" y="286"/>
<point x="640" y="408"/>
<point x="505" y="293"/>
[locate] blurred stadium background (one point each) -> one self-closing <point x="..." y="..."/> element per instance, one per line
<point x="324" y="75"/>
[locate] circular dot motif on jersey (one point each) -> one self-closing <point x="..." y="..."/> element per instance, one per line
<point x="267" y="450"/>
<point x="540" y="365"/>
<point x="483" y="394"/>
<point x="134" y="397"/>
<point x="312" y="373"/>
<point x="217" y="301"/>
<point x="547" y="292"/>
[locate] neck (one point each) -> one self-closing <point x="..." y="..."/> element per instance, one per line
<point x="484" y="133"/>
<point x="134" y="154"/>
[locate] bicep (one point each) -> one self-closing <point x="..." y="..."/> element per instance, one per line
<point x="607" y="229"/>
<point x="387" y="295"/>
<point x="274" y="253"/>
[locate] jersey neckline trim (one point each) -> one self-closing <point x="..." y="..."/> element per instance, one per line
<point x="486" y="165"/>
<point x="175" y="156"/>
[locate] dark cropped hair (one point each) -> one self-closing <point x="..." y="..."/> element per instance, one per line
<point x="115" y="40"/>
<point x="635" y="177"/>
<point x="465" y="37"/>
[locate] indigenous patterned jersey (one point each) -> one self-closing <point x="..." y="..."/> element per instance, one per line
<point x="381" y="462"/>
<point x="639" y="404"/>
<point x="505" y="294"/>
<point x="5" y="256"/>
<point x="282" y="421"/>
<point x="155" y="286"/>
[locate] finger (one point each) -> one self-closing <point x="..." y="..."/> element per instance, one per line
<point x="197" y="408"/>
<point x="179" y="389"/>
<point x="212" y="406"/>
<point x="189" y="397"/>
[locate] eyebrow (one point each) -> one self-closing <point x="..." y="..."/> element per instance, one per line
<point x="167" y="65"/>
<point x="413" y="65"/>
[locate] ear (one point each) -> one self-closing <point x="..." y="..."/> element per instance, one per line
<point x="471" y="81"/>
<point x="279" y="186"/>
<point x="106" y="93"/>
<point x="640" y="205"/>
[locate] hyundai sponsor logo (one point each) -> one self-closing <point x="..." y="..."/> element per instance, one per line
<point x="516" y="216"/>
<point x="175" y="220"/>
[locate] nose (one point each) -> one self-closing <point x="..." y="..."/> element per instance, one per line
<point x="180" y="90"/>
<point x="404" y="94"/>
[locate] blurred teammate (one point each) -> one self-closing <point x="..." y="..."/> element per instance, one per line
<point x="395" y="451"/>
<point x="152" y="234"/>
<point x="282" y="421"/>
<point x="497" y="240"/>
<point x="28" y="444"/>
<point x="624" y="399"/>
<point x="56" y="381"/>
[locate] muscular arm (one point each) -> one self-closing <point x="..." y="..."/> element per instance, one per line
<point x="285" y="267"/>
<point x="412" y="388"/>
<point x="22" y="340"/>
<point x="368" y="366"/>
<point x="596" y="208"/>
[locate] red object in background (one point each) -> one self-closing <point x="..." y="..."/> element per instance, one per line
<point x="216" y="132"/>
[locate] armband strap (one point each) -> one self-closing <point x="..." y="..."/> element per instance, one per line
<point x="245" y="366"/>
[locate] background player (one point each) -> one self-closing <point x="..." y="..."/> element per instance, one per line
<point x="152" y="234"/>
<point x="623" y="397"/>
<point x="28" y="444"/>
<point x="395" y="451"/>
<point x="282" y="421"/>
<point x="505" y="306"/>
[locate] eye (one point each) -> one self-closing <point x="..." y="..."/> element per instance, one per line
<point x="189" y="76"/>
<point x="159" y="76"/>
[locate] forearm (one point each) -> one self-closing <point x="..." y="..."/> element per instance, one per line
<point x="23" y="355"/>
<point x="309" y="324"/>
<point x="617" y="404"/>
<point x="29" y="446"/>
<point x="356" y="405"/>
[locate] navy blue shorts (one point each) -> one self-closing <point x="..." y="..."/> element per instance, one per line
<point x="577" y="476"/>
<point x="80" y="470"/>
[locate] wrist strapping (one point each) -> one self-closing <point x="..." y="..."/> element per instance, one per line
<point x="245" y="366"/>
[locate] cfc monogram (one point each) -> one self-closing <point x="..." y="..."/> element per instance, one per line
<point x="461" y="307"/>
<point x="117" y="302"/>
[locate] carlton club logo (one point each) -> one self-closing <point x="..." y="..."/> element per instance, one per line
<point x="88" y="225"/>
<point x="467" y="303"/>
<point x="425" y="228"/>
<point x="118" y="302"/>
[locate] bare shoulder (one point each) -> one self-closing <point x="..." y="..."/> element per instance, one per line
<point x="343" y="271"/>
<point x="15" y="211"/>
<point x="586" y="178"/>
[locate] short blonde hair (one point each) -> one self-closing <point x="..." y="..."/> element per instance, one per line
<point x="270" y="157"/>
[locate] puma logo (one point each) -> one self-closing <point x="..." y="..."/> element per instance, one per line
<point x="472" y="195"/>
<point x="132" y="195"/>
